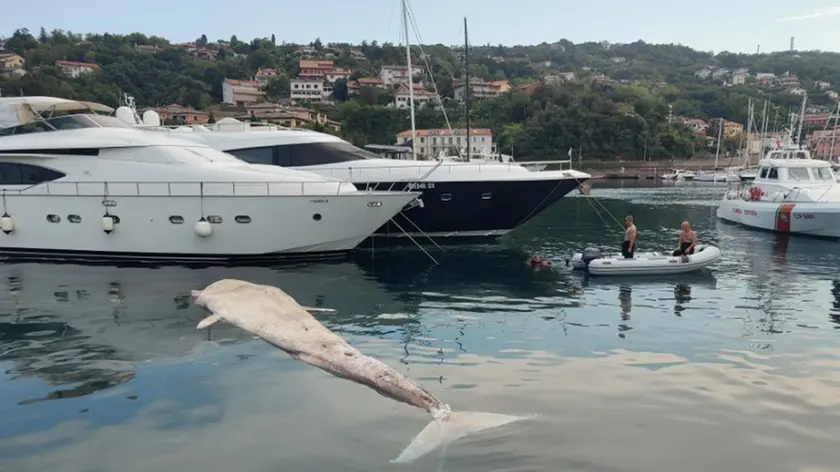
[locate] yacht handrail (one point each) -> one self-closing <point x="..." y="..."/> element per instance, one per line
<point x="440" y="168"/>
<point x="187" y="189"/>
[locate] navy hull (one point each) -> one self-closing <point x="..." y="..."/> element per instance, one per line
<point x="472" y="209"/>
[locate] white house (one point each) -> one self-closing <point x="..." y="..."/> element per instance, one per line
<point x="431" y="142"/>
<point x="313" y="90"/>
<point x="75" y="69"/>
<point x="393" y="75"/>
<point x="237" y="92"/>
<point x="422" y="97"/>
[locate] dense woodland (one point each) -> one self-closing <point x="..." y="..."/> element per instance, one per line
<point x="625" y="118"/>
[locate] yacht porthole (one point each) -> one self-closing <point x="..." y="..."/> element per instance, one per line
<point x="74" y="218"/>
<point x="176" y="219"/>
<point x="316" y="217"/>
<point x="215" y="219"/>
<point x="445" y="197"/>
<point x="115" y="218"/>
<point x="243" y="219"/>
<point x="53" y="218"/>
<point x="486" y="196"/>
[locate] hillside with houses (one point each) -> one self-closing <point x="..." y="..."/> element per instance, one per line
<point x="612" y="100"/>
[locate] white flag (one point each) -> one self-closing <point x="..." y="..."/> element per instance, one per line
<point x="570" y="152"/>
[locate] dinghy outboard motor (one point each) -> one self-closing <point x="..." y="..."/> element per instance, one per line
<point x="589" y="255"/>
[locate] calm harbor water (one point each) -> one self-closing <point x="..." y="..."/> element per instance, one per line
<point x="737" y="368"/>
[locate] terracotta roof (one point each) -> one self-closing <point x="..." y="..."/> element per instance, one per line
<point x="89" y="65"/>
<point x="365" y="82"/>
<point x="177" y="109"/>
<point x="313" y="64"/>
<point x="446" y="132"/>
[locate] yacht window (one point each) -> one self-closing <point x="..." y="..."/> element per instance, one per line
<point x="12" y="173"/>
<point x="800" y="155"/>
<point x="66" y="122"/>
<point x="74" y="218"/>
<point x="798" y="173"/>
<point x="260" y="155"/>
<point x="212" y="155"/>
<point x="763" y="172"/>
<point x="773" y="173"/>
<point x="823" y="173"/>
<point x="243" y="219"/>
<point x="304" y="154"/>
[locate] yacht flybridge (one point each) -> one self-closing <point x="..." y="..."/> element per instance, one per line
<point x="85" y="186"/>
<point x="792" y="193"/>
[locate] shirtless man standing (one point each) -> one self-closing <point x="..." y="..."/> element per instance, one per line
<point x="628" y="247"/>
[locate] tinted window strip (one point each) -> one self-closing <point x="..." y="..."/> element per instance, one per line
<point x="78" y="151"/>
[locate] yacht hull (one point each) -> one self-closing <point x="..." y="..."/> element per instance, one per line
<point x="149" y="228"/>
<point x="475" y="209"/>
<point x="812" y="219"/>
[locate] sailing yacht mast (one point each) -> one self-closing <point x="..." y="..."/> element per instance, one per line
<point x="801" y="119"/>
<point x="467" y="85"/>
<point x="717" y="152"/>
<point x="410" y="80"/>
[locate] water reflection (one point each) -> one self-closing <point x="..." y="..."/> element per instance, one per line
<point x="86" y="328"/>
<point x="751" y="373"/>
<point x="834" y="316"/>
<point x="625" y="299"/>
<point x="682" y="295"/>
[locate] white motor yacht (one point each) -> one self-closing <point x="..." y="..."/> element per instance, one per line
<point x="86" y="186"/>
<point x="792" y="193"/>
<point x="460" y="199"/>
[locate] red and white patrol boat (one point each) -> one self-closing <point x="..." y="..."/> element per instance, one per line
<point x="791" y="193"/>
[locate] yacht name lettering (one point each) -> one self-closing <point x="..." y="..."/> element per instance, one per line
<point x="319" y="200"/>
<point x="804" y="216"/>
<point x="423" y="185"/>
<point x="737" y="210"/>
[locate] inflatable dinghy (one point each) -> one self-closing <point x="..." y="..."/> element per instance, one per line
<point x="644" y="263"/>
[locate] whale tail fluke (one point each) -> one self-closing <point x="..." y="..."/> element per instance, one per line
<point x="451" y="427"/>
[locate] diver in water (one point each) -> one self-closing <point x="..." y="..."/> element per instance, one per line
<point x="536" y="261"/>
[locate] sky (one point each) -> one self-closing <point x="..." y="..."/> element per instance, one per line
<point x="709" y="25"/>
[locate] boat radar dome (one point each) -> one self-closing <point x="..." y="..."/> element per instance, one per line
<point x="151" y="118"/>
<point x="126" y="115"/>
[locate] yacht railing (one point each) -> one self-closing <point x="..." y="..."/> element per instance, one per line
<point x="227" y="126"/>
<point x="192" y="189"/>
<point x="416" y="171"/>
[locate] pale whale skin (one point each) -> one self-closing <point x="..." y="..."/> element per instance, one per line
<point x="277" y="318"/>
